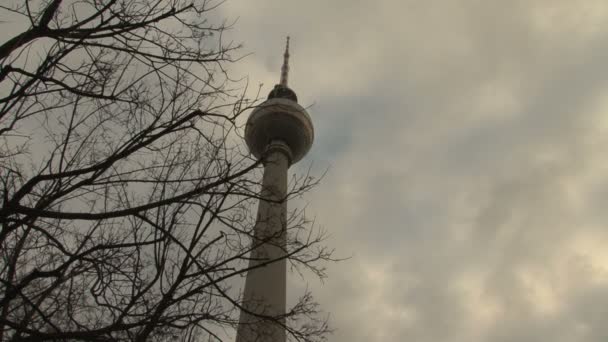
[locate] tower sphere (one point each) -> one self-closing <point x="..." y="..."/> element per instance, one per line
<point x="280" y="118"/>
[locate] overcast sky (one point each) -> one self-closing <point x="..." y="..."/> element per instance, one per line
<point x="466" y="145"/>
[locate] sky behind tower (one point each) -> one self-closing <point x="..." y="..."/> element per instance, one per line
<point x="466" y="144"/>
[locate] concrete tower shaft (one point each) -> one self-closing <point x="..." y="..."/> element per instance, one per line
<point x="266" y="283"/>
<point x="279" y="132"/>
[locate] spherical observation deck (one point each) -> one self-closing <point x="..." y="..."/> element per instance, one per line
<point x="279" y="118"/>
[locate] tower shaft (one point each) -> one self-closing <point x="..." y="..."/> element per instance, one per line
<point x="265" y="286"/>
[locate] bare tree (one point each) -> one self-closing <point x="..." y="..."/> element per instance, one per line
<point x="127" y="199"/>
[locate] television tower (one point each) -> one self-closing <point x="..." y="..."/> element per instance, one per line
<point x="279" y="132"/>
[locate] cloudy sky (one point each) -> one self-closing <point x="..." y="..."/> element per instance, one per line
<point x="466" y="145"/>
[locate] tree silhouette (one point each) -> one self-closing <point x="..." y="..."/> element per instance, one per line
<point x="128" y="201"/>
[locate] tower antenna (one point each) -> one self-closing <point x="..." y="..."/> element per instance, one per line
<point x="285" y="67"/>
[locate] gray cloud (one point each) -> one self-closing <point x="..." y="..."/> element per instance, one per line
<point x="467" y="176"/>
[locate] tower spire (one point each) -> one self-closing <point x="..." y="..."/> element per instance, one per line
<point x="285" y="67"/>
<point x="281" y="90"/>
